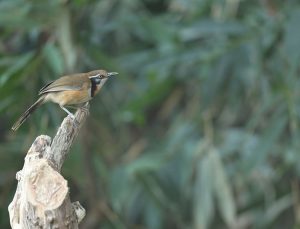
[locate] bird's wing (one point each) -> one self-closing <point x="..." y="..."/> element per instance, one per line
<point x="65" y="83"/>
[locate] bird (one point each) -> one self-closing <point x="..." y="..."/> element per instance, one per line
<point x="68" y="90"/>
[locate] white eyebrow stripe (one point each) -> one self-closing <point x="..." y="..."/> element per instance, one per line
<point x="91" y="77"/>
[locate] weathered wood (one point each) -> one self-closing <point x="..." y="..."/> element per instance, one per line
<point x="42" y="197"/>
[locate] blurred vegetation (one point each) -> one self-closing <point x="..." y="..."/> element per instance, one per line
<point x="199" y="130"/>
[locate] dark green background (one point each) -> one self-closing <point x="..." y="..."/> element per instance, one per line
<point x="199" y="130"/>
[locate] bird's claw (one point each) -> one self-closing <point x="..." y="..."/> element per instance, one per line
<point x="75" y="123"/>
<point x="72" y="116"/>
<point x="84" y="109"/>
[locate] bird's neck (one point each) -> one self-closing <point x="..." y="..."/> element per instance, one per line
<point x="95" y="88"/>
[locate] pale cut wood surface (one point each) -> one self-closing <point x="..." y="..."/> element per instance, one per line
<point x="42" y="197"/>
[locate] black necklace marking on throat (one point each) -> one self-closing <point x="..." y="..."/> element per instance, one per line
<point x="95" y="82"/>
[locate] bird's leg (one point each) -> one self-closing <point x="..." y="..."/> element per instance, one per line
<point x="72" y="107"/>
<point x="81" y="106"/>
<point x="84" y="107"/>
<point x="68" y="112"/>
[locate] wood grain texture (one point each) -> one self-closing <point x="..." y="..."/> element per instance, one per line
<point x="42" y="197"/>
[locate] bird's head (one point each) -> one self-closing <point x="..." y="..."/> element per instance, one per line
<point x="99" y="77"/>
<point x="101" y="74"/>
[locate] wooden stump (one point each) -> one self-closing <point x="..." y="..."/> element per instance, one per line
<point x="42" y="197"/>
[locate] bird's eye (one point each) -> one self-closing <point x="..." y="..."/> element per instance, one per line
<point x="101" y="76"/>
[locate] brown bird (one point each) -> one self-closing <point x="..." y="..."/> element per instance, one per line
<point x="68" y="90"/>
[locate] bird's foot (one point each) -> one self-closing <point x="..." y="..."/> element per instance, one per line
<point x="68" y="112"/>
<point x="75" y="123"/>
<point x="84" y="109"/>
<point x="72" y="116"/>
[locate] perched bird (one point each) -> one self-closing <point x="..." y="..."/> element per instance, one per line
<point x="68" y="90"/>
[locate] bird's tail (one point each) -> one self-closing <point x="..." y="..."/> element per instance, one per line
<point x="27" y="113"/>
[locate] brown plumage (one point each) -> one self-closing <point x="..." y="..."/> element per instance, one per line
<point x="68" y="90"/>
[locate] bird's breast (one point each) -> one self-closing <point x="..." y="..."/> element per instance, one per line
<point x="69" y="97"/>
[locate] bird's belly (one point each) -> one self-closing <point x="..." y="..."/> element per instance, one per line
<point x="68" y="97"/>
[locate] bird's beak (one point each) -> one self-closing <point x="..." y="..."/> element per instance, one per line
<point x="109" y="74"/>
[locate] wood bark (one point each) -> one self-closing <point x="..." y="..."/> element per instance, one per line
<point x="42" y="197"/>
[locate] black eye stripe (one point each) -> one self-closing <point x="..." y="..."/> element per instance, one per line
<point x="95" y="81"/>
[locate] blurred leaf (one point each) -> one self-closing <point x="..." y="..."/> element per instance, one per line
<point x="53" y="56"/>
<point x="16" y="66"/>
<point x="292" y="37"/>
<point x="12" y="11"/>
<point x="206" y="28"/>
<point x="277" y="208"/>
<point x="153" y="216"/>
<point x="268" y="140"/>
<point x="223" y="191"/>
<point x="203" y="193"/>
<point x="148" y="162"/>
<point x="5" y="103"/>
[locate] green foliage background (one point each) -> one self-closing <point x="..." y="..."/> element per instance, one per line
<point x="199" y="130"/>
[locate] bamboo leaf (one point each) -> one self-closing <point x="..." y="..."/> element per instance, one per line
<point x="203" y="193"/>
<point x="54" y="57"/>
<point x="223" y="191"/>
<point x="17" y="65"/>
